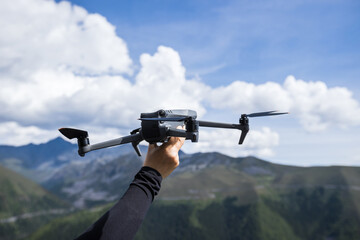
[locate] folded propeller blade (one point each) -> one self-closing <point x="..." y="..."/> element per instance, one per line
<point x="71" y="133"/>
<point x="264" y="114"/>
<point x="171" y="119"/>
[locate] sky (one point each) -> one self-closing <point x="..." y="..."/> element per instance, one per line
<point x="96" y="65"/>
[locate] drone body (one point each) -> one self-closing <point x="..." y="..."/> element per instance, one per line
<point x="159" y="126"/>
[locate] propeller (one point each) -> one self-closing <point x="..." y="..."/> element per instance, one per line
<point x="71" y="133"/>
<point x="264" y="114"/>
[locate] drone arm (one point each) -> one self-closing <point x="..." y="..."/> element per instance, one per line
<point x="134" y="138"/>
<point x="218" y="125"/>
<point x="244" y="127"/>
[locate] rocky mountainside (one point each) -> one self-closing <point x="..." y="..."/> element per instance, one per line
<point x="209" y="196"/>
<point x="100" y="177"/>
<point x="212" y="196"/>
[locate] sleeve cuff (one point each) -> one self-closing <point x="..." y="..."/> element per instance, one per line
<point x="149" y="180"/>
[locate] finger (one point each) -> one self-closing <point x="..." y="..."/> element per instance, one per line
<point x="176" y="142"/>
<point x="181" y="140"/>
<point x="179" y="143"/>
<point x="152" y="146"/>
<point x="181" y="127"/>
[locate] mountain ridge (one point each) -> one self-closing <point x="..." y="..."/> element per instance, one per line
<point x="85" y="181"/>
<point x="208" y="186"/>
<point x="64" y="145"/>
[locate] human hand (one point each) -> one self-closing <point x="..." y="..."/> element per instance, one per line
<point x="164" y="158"/>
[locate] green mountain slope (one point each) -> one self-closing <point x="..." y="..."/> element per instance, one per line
<point x="247" y="199"/>
<point x="24" y="205"/>
<point x="70" y="226"/>
<point x="224" y="219"/>
<point x="265" y="219"/>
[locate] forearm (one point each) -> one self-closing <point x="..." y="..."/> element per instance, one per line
<point x="124" y="219"/>
<point x="127" y="215"/>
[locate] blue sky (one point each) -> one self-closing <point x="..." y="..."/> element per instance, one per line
<point x="255" y="41"/>
<point x="98" y="64"/>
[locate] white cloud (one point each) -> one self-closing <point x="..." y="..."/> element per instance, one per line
<point x="40" y="34"/>
<point x="257" y="143"/>
<point x="50" y="53"/>
<point x="245" y="97"/>
<point x="315" y="105"/>
<point x="319" y="106"/>
<point x="61" y="66"/>
<point x="62" y="97"/>
<point x="14" y="134"/>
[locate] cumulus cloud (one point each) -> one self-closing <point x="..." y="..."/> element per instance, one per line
<point x="40" y="34"/>
<point x="257" y="143"/>
<point x="57" y="96"/>
<point x="14" y="134"/>
<point x="61" y="66"/>
<point x="315" y="105"/>
<point x="319" y="106"/>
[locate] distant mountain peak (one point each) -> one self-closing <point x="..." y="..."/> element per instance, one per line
<point x="58" y="140"/>
<point x="33" y="155"/>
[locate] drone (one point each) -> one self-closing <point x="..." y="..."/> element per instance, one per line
<point x="159" y="126"/>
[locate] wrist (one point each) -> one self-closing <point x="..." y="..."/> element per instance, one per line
<point x="151" y="170"/>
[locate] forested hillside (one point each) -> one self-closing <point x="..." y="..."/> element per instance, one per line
<point x="209" y="196"/>
<point x="24" y="205"/>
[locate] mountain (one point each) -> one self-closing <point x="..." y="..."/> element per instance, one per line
<point x="32" y="156"/>
<point x="206" y="175"/>
<point x="313" y="213"/>
<point x="95" y="182"/>
<point x="100" y="177"/>
<point x="36" y="161"/>
<point x="24" y="205"/>
<point x="57" y="167"/>
<point x="209" y="196"/>
<point x="244" y="198"/>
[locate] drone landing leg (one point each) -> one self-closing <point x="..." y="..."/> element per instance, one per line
<point x="244" y="131"/>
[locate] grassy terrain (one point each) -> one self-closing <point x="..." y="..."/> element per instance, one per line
<point x="24" y="205"/>
<point x="70" y="226"/>
<point x="212" y="196"/>
<point x="304" y="214"/>
<point x="266" y="202"/>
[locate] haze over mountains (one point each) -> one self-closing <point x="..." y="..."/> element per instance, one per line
<point x="209" y="196"/>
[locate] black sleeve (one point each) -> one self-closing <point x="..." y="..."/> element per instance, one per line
<point x="124" y="219"/>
